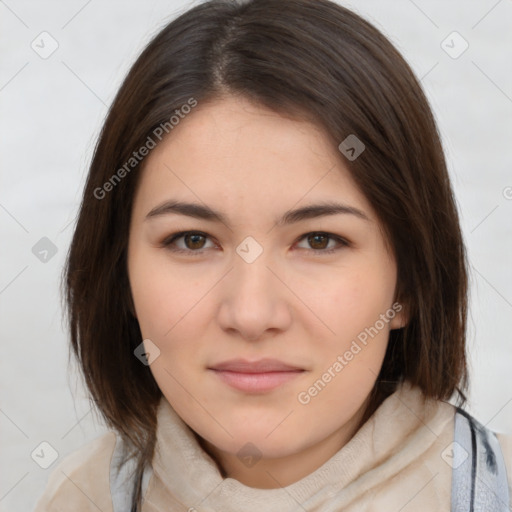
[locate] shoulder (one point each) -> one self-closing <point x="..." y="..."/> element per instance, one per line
<point x="505" y="441"/>
<point x="80" y="481"/>
<point x="484" y="470"/>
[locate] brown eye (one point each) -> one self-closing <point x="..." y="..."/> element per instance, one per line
<point x="319" y="243"/>
<point x="194" y="241"/>
<point x="318" y="240"/>
<point x="191" y="242"/>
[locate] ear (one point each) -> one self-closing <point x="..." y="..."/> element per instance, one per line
<point x="400" y="318"/>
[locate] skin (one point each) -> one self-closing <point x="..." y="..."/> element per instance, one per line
<point x="294" y="302"/>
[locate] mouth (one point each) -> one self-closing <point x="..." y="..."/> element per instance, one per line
<point x="259" y="376"/>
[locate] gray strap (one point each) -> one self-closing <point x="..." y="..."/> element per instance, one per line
<point x="463" y="468"/>
<point x="122" y="478"/>
<point x="479" y="476"/>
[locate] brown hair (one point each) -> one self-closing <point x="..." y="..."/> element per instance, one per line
<point x="313" y="60"/>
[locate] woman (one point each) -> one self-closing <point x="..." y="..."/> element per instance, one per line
<point x="267" y="285"/>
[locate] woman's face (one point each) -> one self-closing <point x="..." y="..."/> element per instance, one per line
<point x="272" y="315"/>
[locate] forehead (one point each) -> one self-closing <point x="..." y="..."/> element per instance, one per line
<point x="232" y="152"/>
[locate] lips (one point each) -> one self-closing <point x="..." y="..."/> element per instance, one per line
<point x="260" y="366"/>
<point x="259" y="376"/>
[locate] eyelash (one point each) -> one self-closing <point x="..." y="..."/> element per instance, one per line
<point x="172" y="238"/>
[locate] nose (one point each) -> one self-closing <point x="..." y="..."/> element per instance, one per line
<point x="254" y="300"/>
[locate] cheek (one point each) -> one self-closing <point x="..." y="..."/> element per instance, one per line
<point x="351" y="351"/>
<point x="348" y="301"/>
<point x="164" y="298"/>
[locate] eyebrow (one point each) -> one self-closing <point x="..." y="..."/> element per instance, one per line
<point x="204" y="212"/>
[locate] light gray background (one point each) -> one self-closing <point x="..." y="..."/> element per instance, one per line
<point x="52" y="110"/>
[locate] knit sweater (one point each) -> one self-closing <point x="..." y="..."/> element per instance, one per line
<point x="395" y="461"/>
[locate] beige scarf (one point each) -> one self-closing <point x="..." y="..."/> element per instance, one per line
<point x="397" y="461"/>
